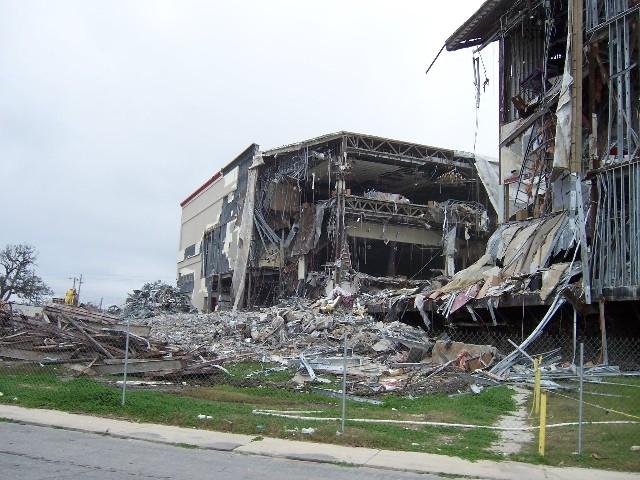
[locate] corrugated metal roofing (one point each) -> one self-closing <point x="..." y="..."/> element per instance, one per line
<point x="480" y="26"/>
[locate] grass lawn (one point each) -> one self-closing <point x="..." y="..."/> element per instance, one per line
<point x="230" y="405"/>
<point x="604" y="446"/>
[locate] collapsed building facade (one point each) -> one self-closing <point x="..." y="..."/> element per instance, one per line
<point x="208" y="234"/>
<point x="343" y="211"/>
<point x="568" y="164"/>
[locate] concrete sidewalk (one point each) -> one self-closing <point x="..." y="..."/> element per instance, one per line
<point x="306" y="451"/>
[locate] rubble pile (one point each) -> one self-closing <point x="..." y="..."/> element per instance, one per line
<point x="381" y="356"/>
<point x="156" y="298"/>
<point x="92" y="343"/>
<point x="297" y="335"/>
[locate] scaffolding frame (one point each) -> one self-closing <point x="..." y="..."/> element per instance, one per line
<point x="616" y="246"/>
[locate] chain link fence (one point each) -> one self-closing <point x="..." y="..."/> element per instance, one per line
<point x="80" y="364"/>
<point x="597" y="420"/>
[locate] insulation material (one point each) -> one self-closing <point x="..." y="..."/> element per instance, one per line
<point x="551" y="278"/>
<point x="320" y="209"/>
<point x="510" y="161"/>
<point x="514" y="251"/>
<point x="536" y="240"/>
<point x="492" y="279"/>
<point x="489" y="172"/>
<point x="562" y="152"/>
<point x="419" y="303"/>
<point x="546" y="238"/>
<point x="468" y="276"/>
<point x="518" y="245"/>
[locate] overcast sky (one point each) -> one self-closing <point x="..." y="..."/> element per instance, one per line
<point x="112" y="112"/>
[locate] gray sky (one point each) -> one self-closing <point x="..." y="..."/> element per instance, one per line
<point x="111" y="113"/>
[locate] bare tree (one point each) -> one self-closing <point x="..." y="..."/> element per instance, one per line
<point x="17" y="274"/>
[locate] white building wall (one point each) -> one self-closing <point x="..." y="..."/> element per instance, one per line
<point x="199" y="214"/>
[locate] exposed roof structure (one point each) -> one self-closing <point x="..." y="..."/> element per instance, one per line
<point x="395" y="151"/>
<point x="480" y="27"/>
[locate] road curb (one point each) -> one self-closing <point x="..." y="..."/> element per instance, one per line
<point x="308" y="451"/>
<point x="236" y="451"/>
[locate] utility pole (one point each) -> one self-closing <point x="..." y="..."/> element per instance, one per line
<point x="80" y="282"/>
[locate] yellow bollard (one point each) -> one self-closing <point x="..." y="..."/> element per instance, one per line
<point x="543" y="422"/>
<point x="536" y="388"/>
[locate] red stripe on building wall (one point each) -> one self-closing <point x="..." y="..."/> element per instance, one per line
<point x="200" y="189"/>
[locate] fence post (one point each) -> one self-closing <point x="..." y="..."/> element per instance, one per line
<point x="580" y="398"/>
<point x="126" y="362"/>
<point x="344" y="383"/>
<point x="543" y="423"/>
<point x="536" y="388"/>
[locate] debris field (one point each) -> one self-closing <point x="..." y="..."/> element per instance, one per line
<point x="299" y="335"/>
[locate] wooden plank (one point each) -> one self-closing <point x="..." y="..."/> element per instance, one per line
<point x="139" y="330"/>
<point x="89" y="337"/>
<point x="603" y="335"/>
<point x="576" y="91"/>
<point x="80" y="313"/>
<point x="116" y="366"/>
<point x="31" y="356"/>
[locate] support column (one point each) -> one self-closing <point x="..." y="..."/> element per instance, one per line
<point x="576" y="91"/>
<point x="603" y="334"/>
<point x="340" y="227"/>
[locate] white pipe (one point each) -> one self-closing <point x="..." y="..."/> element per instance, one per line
<point x="276" y="413"/>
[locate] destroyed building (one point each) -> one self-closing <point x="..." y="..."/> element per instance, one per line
<point x="568" y="163"/>
<point x="343" y="210"/>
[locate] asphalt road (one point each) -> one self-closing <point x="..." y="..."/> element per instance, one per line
<point x="38" y="453"/>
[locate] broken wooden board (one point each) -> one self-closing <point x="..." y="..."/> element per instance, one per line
<point x="32" y="356"/>
<point x="80" y="313"/>
<point x="116" y="366"/>
<point x="139" y="330"/>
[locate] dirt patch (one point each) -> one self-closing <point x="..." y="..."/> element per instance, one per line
<point x="512" y="441"/>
